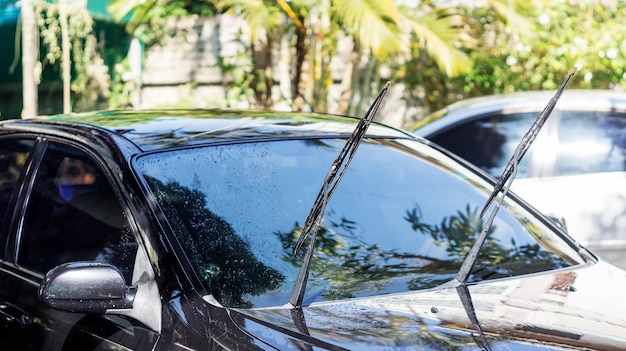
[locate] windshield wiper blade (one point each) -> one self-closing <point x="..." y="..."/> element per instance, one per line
<point x="525" y="143"/>
<point x="332" y="179"/>
<point x="468" y="305"/>
<point x="506" y="179"/>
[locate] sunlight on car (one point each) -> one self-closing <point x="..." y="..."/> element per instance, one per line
<point x="185" y="223"/>
<point x="567" y="174"/>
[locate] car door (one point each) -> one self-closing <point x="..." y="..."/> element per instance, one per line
<point x="68" y="211"/>
<point x="16" y="328"/>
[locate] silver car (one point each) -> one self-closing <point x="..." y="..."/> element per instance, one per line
<point x="576" y="168"/>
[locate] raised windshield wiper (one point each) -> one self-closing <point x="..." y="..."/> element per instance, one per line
<point x="332" y="179"/>
<point x="504" y="182"/>
<point x="468" y="305"/>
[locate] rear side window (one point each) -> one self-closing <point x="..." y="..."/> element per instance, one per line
<point x="73" y="214"/>
<point x="570" y="142"/>
<point x="591" y="142"/>
<point x="488" y="142"/>
<point x="13" y="156"/>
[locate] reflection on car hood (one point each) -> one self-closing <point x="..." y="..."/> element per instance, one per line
<point x="574" y="308"/>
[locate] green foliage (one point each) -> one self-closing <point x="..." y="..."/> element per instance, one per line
<point x="121" y="90"/>
<point x="377" y="30"/>
<point x="239" y="67"/>
<point x="259" y="14"/>
<point x="451" y="53"/>
<point x="147" y="20"/>
<point x="563" y="34"/>
<point x="90" y="78"/>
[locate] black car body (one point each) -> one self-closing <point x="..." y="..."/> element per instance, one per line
<point x="174" y="230"/>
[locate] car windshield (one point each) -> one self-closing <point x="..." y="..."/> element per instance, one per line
<point x="402" y="219"/>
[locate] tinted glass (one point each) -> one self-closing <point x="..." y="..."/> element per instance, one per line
<point x="13" y="155"/>
<point x="488" y="142"/>
<point x="402" y="219"/>
<point x="73" y="214"/>
<point x="591" y="141"/>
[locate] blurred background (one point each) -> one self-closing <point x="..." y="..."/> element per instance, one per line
<point x="304" y="55"/>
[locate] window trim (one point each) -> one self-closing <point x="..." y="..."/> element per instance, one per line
<point x="19" y="197"/>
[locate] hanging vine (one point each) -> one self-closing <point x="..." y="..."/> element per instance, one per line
<point x="90" y="76"/>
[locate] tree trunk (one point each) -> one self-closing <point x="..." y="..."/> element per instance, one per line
<point x="297" y="88"/>
<point x="29" y="59"/>
<point x="325" y="48"/>
<point x="365" y="91"/>
<point x="263" y="83"/>
<point x="350" y="74"/>
<point x="65" y="48"/>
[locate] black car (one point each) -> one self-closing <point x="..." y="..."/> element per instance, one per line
<point x="177" y="230"/>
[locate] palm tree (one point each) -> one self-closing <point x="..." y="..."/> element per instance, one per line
<point x="313" y="28"/>
<point x="376" y="28"/>
<point x="439" y="31"/>
<point x="265" y="19"/>
<point x="375" y="31"/>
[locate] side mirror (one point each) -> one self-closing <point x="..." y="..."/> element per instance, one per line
<point x="86" y="287"/>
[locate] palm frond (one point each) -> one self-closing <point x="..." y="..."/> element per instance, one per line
<point x="375" y="23"/>
<point x="259" y="14"/>
<point x="132" y="11"/>
<point x="512" y="14"/>
<point x="441" y="36"/>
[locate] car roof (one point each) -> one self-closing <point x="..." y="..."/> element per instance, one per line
<point x="160" y="129"/>
<point x="529" y="101"/>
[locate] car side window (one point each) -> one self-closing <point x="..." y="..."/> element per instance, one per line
<point x="489" y="141"/>
<point x="73" y="214"/>
<point x="590" y="142"/>
<point x="13" y="156"/>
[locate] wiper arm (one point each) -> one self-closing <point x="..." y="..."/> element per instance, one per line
<point x="468" y="305"/>
<point x="525" y="143"/>
<point x="504" y="182"/>
<point x="332" y="179"/>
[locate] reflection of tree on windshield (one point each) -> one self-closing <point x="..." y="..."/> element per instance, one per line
<point x="457" y="232"/>
<point x="222" y="260"/>
<point x="350" y="266"/>
<point x="496" y="259"/>
<point x="346" y="266"/>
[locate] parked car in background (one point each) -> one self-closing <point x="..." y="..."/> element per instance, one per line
<point x="175" y="230"/>
<point x="576" y="168"/>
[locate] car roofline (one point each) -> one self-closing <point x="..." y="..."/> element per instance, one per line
<point x="199" y="127"/>
<point x="528" y="101"/>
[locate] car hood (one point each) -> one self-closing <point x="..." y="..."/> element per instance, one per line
<point x="574" y="308"/>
